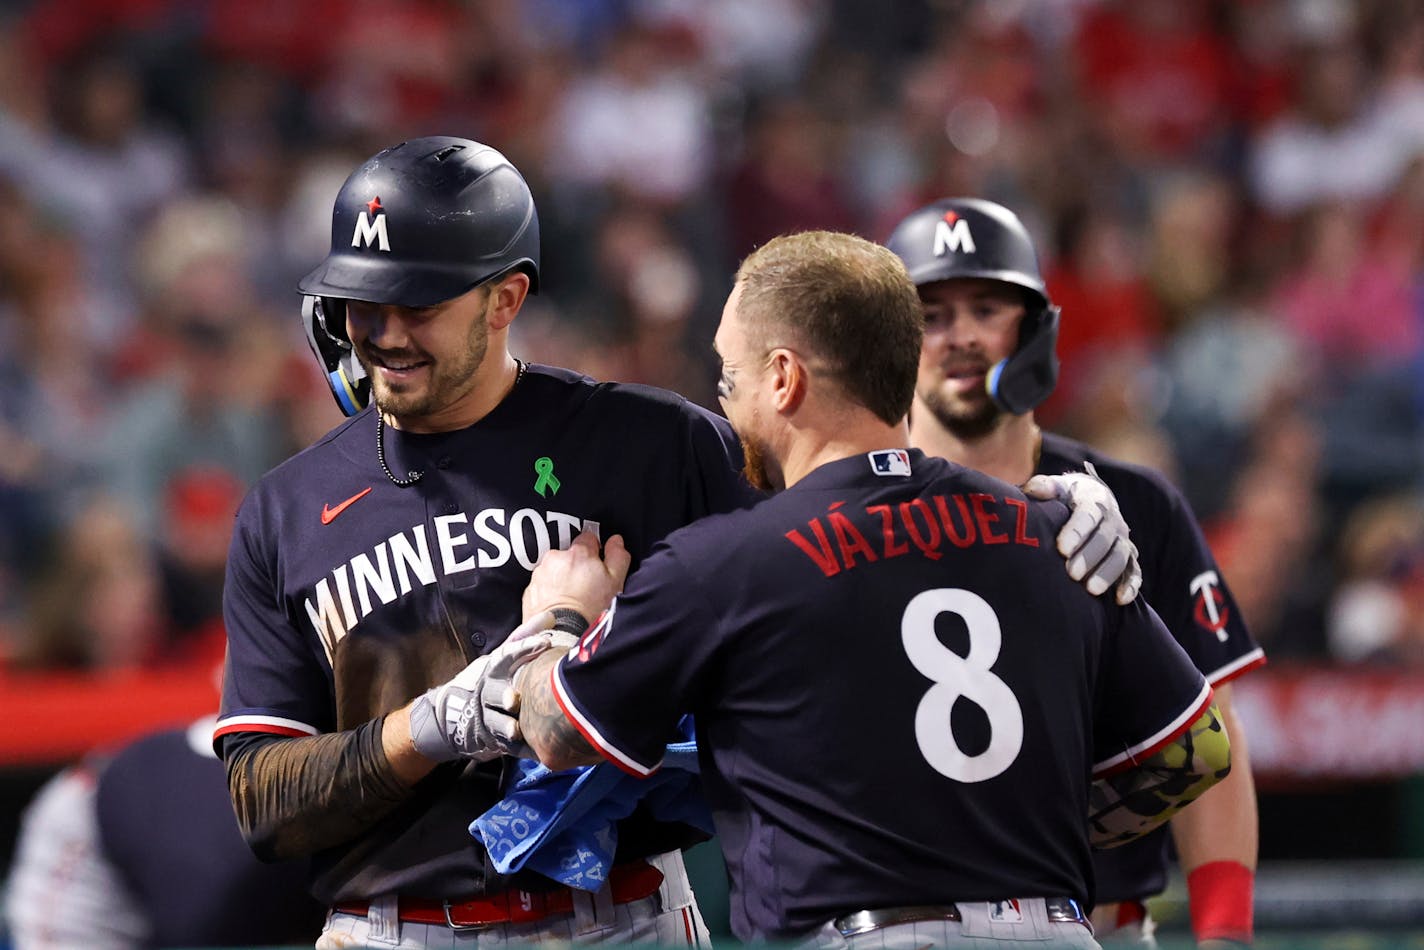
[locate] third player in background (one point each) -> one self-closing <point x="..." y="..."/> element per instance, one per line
<point x="988" y="360"/>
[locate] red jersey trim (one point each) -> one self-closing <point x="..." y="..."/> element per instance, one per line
<point x="1130" y="757"/>
<point x="1237" y="667"/>
<point x="275" y="725"/>
<point x="590" y="732"/>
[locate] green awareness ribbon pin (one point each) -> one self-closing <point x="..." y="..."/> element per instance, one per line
<point x="544" y="468"/>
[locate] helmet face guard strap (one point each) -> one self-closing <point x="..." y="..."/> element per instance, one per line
<point x="1027" y="377"/>
<point x="324" y="320"/>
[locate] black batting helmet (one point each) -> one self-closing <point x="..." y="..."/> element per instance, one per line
<point x="971" y="237"/>
<point x="417" y="224"/>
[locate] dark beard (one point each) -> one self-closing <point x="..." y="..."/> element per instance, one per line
<point x="964" y="424"/>
<point x="448" y="382"/>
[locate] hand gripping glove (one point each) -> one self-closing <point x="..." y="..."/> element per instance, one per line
<point x="1095" y="537"/>
<point x="476" y="715"/>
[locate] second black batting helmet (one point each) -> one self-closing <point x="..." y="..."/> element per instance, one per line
<point x="971" y="237"/>
<point x="418" y="224"/>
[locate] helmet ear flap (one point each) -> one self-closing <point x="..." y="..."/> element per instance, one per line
<point x="1027" y="377"/>
<point x="324" y="319"/>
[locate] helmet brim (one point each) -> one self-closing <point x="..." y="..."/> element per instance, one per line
<point x="385" y="281"/>
<point x="936" y="271"/>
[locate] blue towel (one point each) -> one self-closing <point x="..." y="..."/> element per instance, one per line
<point x="564" y="824"/>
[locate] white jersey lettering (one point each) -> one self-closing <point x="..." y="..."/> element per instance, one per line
<point x="371" y="579"/>
<point x="540" y="528"/>
<point x="415" y="559"/>
<point x="487" y="533"/>
<point x="404" y="561"/>
<point x="449" y="541"/>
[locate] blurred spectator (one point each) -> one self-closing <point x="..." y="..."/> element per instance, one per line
<point x="1156" y="75"/>
<point x="104" y="169"/>
<point x="1265" y="538"/>
<point x="1107" y="305"/>
<point x="1377" y="614"/>
<point x="1336" y="142"/>
<point x="1224" y="372"/>
<point x="1191" y="232"/>
<point x="634" y="122"/>
<point x="203" y="376"/>
<point x="785" y="182"/>
<point x="98" y="604"/>
<point x="1229" y="197"/>
<point x="1352" y="308"/>
<point x="199" y="507"/>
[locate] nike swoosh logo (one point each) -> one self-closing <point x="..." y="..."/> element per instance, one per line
<point x="328" y="514"/>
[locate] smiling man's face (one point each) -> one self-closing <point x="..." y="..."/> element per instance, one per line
<point x="421" y="360"/>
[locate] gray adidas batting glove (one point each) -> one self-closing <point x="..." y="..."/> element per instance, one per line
<point x="476" y="714"/>
<point x="1095" y="537"/>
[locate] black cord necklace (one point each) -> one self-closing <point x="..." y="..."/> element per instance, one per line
<point x="412" y="477"/>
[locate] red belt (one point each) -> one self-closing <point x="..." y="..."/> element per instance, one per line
<point x="629" y="882"/>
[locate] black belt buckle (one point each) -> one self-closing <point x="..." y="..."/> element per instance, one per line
<point x="864" y="921"/>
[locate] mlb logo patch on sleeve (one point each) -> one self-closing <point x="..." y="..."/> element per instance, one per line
<point x="890" y="462"/>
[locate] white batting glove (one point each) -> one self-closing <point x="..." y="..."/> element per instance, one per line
<point x="1095" y="537"/>
<point x="476" y="714"/>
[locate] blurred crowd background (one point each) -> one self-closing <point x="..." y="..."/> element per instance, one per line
<point x="1228" y="198"/>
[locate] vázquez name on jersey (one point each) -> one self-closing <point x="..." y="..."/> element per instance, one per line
<point x="925" y="525"/>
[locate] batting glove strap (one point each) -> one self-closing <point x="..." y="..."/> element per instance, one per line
<point x="1220" y="897"/>
<point x="568" y="620"/>
<point x="447" y="722"/>
<point x="426" y="733"/>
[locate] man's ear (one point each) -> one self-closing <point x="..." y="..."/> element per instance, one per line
<point x="506" y="297"/>
<point x="789" y="379"/>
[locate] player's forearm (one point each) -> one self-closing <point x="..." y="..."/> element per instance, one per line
<point x="294" y="797"/>
<point x="547" y="731"/>
<point x="1131" y="803"/>
<point x="1223" y="824"/>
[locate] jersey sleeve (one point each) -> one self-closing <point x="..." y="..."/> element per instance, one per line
<point x="1186" y="587"/>
<point x="1148" y="691"/>
<point x="635" y="672"/>
<point x="273" y="681"/>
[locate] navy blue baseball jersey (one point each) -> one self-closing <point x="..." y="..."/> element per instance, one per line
<point x="1182" y="582"/>
<point x="165" y="823"/>
<point x="347" y="596"/>
<point x="900" y="695"/>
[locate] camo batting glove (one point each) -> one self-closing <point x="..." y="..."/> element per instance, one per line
<point x="476" y="714"/>
<point x="1095" y="537"/>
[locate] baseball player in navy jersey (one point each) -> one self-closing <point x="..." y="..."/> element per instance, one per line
<point x="901" y="700"/>
<point x="988" y="359"/>
<point x="372" y="578"/>
<point x="135" y="848"/>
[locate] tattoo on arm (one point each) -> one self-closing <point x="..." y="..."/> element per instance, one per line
<point x="1129" y="804"/>
<point x="550" y="733"/>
